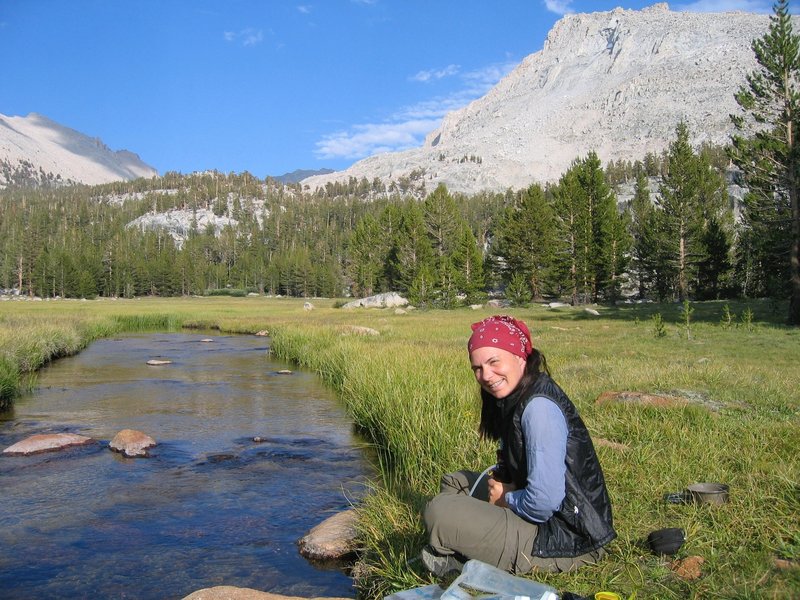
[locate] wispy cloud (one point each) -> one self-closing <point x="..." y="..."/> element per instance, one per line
<point x="433" y="74"/>
<point x="304" y="8"/>
<point x="560" y="7"/>
<point x="245" y="37"/>
<point x="407" y="127"/>
<point x="754" y="6"/>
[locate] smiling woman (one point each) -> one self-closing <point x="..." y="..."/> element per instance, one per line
<point x="545" y="505"/>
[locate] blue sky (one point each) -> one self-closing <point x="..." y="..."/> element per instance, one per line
<point x="269" y="86"/>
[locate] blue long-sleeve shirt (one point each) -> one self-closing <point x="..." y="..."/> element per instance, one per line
<point x="545" y="432"/>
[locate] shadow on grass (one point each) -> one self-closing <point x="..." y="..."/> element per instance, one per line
<point x="765" y="312"/>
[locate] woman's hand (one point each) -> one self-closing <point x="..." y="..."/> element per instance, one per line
<point x="497" y="492"/>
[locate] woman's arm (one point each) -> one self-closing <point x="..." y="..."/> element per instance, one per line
<point x="545" y="433"/>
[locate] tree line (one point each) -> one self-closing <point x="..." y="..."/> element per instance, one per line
<point x="680" y="236"/>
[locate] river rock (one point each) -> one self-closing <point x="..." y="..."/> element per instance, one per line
<point x="334" y="538"/>
<point x="283" y="372"/>
<point x="131" y="443"/>
<point x="263" y="333"/>
<point x="154" y="362"/>
<point x="45" y="442"/>
<point x="387" y="300"/>
<point x="206" y="340"/>
<point x="229" y="592"/>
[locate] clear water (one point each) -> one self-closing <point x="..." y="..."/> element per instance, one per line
<point x="210" y="506"/>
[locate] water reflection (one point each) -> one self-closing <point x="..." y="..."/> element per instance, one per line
<point x="210" y="507"/>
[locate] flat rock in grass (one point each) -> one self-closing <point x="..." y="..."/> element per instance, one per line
<point x="155" y="362"/>
<point x="591" y="311"/>
<point x="609" y="444"/>
<point x="641" y="398"/>
<point x="229" y="592"/>
<point x="785" y="564"/>
<point x="131" y="443"/>
<point x="46" y="442"/>
<point x="688" y="568"/>
<point x="334" y="538"/>
<point x="359" y="330"/>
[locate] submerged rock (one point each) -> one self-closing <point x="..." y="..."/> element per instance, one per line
<point x="229" y="592"/>
<point x="46" y="442"/>
<point x="334" y="538"/>
<point x="157" y="361"/>
<point x="131" y="443"/>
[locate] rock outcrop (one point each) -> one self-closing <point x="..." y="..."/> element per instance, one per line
<point x="46" y="442"/>
<point x="616" y="82"/>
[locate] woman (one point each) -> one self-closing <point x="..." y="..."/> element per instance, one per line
<point x="545" y="505"/>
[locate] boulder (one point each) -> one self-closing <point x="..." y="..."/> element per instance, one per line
<point x="591" y="311"/>
<point x="476" y="306"/>
<point x="386" y="300"/>
<point x="334" y="538"/>
<point x="46" y="442"/>
<point x="131" y="443"/>
<point x="308" y="306"/>
<point x="399" y="311"/>
<point x="263" y="333"/>
<point x="229" y="592"/>
<point x="557" y="305"/>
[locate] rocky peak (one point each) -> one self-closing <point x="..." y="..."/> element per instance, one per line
<point x="614" y="82"/>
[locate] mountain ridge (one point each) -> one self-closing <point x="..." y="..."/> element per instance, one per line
<point x="35" y="150"/>
<point x="614" y="82"/>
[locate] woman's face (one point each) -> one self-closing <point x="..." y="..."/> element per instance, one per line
<point x="497" y="371"/>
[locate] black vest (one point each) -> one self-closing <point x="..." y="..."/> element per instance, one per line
<point x="583" y="522"/>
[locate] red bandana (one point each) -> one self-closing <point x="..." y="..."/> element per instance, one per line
<point x="504" y="332"/>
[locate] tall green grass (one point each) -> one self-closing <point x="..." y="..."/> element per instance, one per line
<point x="411" y="392"/>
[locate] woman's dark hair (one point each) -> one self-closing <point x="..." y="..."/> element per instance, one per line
<point x="489" y="427"/>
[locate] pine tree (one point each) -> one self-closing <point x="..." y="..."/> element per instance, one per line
<point x="524" y="239"/>
<point x="766" y="151"/>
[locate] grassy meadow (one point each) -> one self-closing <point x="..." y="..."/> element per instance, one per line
<point x="411" y="392"/>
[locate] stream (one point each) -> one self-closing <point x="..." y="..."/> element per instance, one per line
<point x="248" y="460"/>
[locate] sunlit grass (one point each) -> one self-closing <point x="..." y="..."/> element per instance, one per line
<point x="411" y="392"/>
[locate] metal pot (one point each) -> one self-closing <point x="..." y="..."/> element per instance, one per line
<point x="708" y="493"/>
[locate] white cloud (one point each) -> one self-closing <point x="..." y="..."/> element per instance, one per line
<point x="425" y="76"/>
<point x="754" y="6"/>
<point x="304" y="8"/>
<point x="560" y="7"/>
<point x="369" y="139"/>
<point x="246" y="37"/>
<point x="409" y="125"/>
